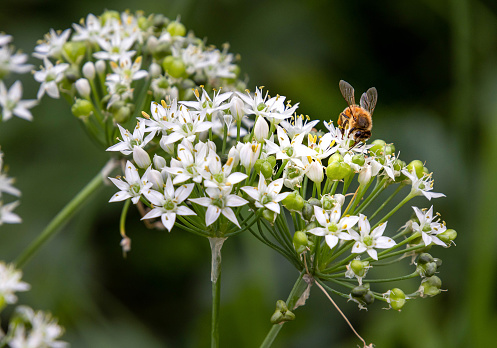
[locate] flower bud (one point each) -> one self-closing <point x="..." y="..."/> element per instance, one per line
<point x="430" y="286"/>
<point x="416" y="166"/>
<point x="337" y="170"/>
<point x="271" y="160"/>
<point x="233" y="153"/>
<point x="174" y="66"/>
<point x="155" y="70"/>
<point x="176" y="29"/>
<point x="307" y="211"/>
<point x="155" y="177"/>
<point x="336" y="157"/>
<point x="82" y="108"/>
<point x="294" y="201"/>
<point x="159" y="162"/>
<point x="141" y="157"/>
<point x="236" y="108"/>
<point x="83" y="88"/>
<point x="281" y="314"/>
<point x="378" y="147"/>
<point x="269" y="215"/>
<point x="365" y="176"/>
<point x="424" y="258"/>
<point x="89" y="70"/>
<point x="73" y="50"/>
<point x="314" y="172"/>
<point x="389" y="150"/>
<point x="447" y="236"/>
<point x="359" y="267"/>
<point x="300" y="241"/>
<point x="267" y="169"/>
<point x="169" y="148"/>
<point x="358" y="159"/>
<point x="100" y="66"/>
<point x="261" y="129"/>
<point x="249" y="153"/>
<point x="396" y="298"/>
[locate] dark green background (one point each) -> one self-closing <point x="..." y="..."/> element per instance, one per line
<point x="435" y="67"/>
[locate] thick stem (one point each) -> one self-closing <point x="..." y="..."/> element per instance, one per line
<point x="216" y="245"/>
<point x="65" y="214"/>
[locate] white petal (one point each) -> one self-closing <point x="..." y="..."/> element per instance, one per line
<point x="183" y="192"/>
<point x="183" y="210"/>
<point x="212" y="214"/>
<point x="235" y="178"/>
<point x="373" y="254"/>
<point x="205" y="201"/>
<point x="230" y="215"/>
<point x="358" y="248"/>
<point x="235" y="201"/>
<point x="320" y="215"/>
<point x="318" y="231"/>
<point x="120" y="196"/>
<point x="384" y="242"/>
<point x="273" y="206"/>
<point x="153" y="213"/>
<point x="168" y="220"/>
<point x="331" y="240"/>
<point x="251" y="191"/>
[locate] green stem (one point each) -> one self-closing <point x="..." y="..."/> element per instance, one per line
<point x="216" y="300"/>
<point x="385" y="218"/>
<point x="380" y="208"/>
<point x="64" y="215"/>
<point x="295" y="294"/>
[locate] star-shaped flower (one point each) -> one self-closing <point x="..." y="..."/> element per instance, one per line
<point x="267" y="196"/>
<point x="422" y="186"/>
<point x="133" y="187"/>
<point x="429" y="229"/>
<point x="367" y="240"/>
<point x="11" y="103"/>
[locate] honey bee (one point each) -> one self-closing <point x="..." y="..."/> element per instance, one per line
<point x="355" y="119"/>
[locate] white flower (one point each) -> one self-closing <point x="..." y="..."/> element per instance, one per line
<point x="334" y="228"/>
<point x="168" y="204"/>
<point x="219" y="202"/>
<point x="116" y="47"/>
<point x="5" y="39"/>
<point x="50" y="76"/>
<point x="10" y="282"/>
<point x="315" y="171"/>
<point x="236" y="108"/>
<point x="92" y="31"/>
<point x="205" y="103"/>
<point x="289" y="150"/>
<point x="37" y="330"/>
<point x="428" y="228"/>
<point x="323" y="148"/>
<point x="190" y="163"/>
<point x="10" y="62"/>
<point x="133" y="188"/>
<point x="221" y="177"/>
<point x="267" y="196"/>
<point x="52" y="45"/>
<point x="422" y="186"/>
<point x="292" y="175"/>
<point x="129" y="142"/>
<point x="6" y="182"/>
<point x="126" y="70"/>
<point x="298" y="126"/>
<point x="188" y="124"/>
<point x="6" y="214"/>
<point x="11" y="103"/>
<point x="367" y="240"/>
<point x="273" y="108"/>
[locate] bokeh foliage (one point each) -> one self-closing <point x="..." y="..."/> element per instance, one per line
<point x="434" y="64"/>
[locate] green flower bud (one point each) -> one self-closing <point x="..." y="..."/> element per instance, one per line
<point x="281" y="314"/>
<point x="267" y="169"/>
<point x="122" y="114"/>
<point x="258" y="165"/>
<point x="271" y="160"/>
<point x="358" y="159"/>
<point x="174" y="66"/>
<point x="314" y="201"/>
<point x="269" y="215"/>
<point x="431" y="286"/>
<point x="73" y="51"/>
<point x="338" y="170"/>
<point x="378" y="147"/>
<point x="368" y="297"/>
<point x="389" y="149"/>
<point x="416" y="165"/>
<point x="447" y="236"/>
<point x="294" y="201"/>
<point x="398" y="165"/>
<point x="360" y="291"/>
<point x="176" y="29"/>
<point x="359" y="267"/>
<point x="300" y="241"/>
<point x="308" y="211"/>
<point x="427" y="270"/>
<point x="397" y="299"/>
<point x="82" y="108"/>
<point x="336" y="157"/>
<point x="144" y="23"/>
<point x="425" y="258"/>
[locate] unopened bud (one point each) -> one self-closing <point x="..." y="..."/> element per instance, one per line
<point x="314" y="172"/>
<point x="378" y="147"/>
<point x="89" y="70"/>
<point x="236" y="108"/>
<point x="396" y="298"/>
<point x="447" y="236"/>
<point x="416" y="166"/>
<point x="174" y="66"/>
<point x="83" y="88"/>
<point x="337" y="170"/>
<point x="300" y="241"/>
<point x="159" y="162"/>
<point x="430" y="286"/>
<point x="82" y="108"/>
<point x="155" y="177"/>
<point x="100" y="67"/>
<point x="141" y="157"/>
<point x="176" y="29"/>
<point x="294" y="201"/>
<point x="155" y="70"/>
<point x="261" y="129"/>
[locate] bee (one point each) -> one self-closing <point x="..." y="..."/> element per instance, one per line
<point x="355" y="119"/>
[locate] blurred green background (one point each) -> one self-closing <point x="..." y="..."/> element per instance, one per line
<point x="434" y="64"/>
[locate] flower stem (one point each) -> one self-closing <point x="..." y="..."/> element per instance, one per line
<point x="216" y="245"/>
<point x="65" y="214"/>
<point x="385" y="218"/>
<point x="295" y="294"/>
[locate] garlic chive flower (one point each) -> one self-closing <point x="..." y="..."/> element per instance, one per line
<point x="219" y="202"/>
<point x="168" y="204"/>
<point x="10" y="283"/>
<point x="133" y="187"/>
<point x="422" y="186"/>
<point x="267" y="196"/>
<point x="189" y="163"/>
<point x="369" y="241"/>
<point x="334" y="227"/>
<point x="6" y="214"/>
<point x="292" y="150"/>
<point x="130" y="141"/>
<point x="428" y="228"/>
<point x="11" y="103"/>
<point x="52" y="44"/>
<point x="49" y="76"/>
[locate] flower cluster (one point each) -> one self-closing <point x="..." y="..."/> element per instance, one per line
<point x="27" y="328"/>
<point x="208" y="182"/>
<point x="6" y="210"/>
<point x="108" y="67"/>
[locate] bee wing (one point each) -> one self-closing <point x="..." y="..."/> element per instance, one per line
<point x="347" y="92"/>
<point x="368" y="100"/>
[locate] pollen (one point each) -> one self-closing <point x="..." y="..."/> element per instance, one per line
<point x="144" y="114"/>
<point x="230" y="160"/>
